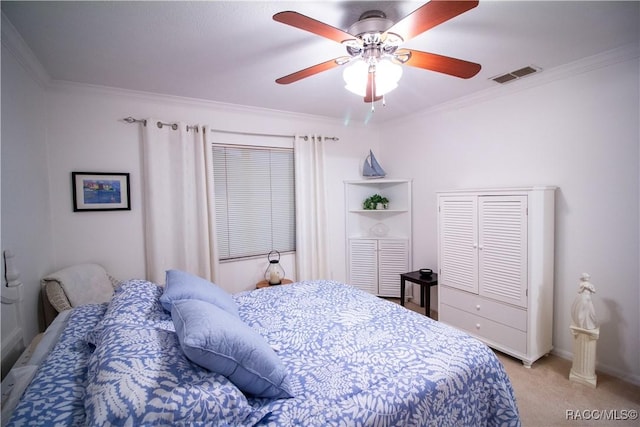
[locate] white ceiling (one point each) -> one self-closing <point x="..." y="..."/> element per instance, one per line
<point x="232" y="51"/>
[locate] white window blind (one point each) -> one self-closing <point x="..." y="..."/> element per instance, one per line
<point x="254" y="191"/>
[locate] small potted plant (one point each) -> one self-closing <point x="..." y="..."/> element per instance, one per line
<point x="375" y="202"/>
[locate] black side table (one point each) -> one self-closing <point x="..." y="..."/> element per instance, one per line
<point x="424" y="282"/>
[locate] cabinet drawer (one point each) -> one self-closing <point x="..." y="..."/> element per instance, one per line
<point x="493" y="332"/>
<point x="493" y="310"/>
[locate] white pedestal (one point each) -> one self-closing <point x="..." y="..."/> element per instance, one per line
<point x="583" y="370"/>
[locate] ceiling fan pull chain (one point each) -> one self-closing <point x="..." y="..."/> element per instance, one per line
<point x="373" y="90"/>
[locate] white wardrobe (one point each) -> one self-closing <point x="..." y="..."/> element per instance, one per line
<point x="378" y="240"/>
<point x="495" y="267"/>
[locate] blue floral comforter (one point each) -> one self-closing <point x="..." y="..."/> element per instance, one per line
<point x="353" y="360"/>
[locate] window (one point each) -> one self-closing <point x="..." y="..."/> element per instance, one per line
<point x="254" y="198"/>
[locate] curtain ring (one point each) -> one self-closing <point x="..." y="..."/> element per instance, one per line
<point x="174" y="126"/>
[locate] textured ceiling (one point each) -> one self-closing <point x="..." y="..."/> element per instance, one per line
<point x="232" y="51"/>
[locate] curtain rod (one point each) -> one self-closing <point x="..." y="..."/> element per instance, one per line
<point x="174" y="126"/>
<point x="160" y="124"/>
<point x="306" y="138"/>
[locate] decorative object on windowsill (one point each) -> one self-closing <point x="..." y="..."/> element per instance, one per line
<point x="371" y="167"/>
<point x="379" y="230"/>
<point x="274" y="272"/>
<point x="585" y="331"/>
<point x="426" y="272"/>
<point x="375" y="202"/>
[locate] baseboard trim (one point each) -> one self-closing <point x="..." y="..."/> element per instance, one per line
<point x="600" y="367"/>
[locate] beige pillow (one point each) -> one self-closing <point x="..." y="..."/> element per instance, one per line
<point x="78" y="285"/>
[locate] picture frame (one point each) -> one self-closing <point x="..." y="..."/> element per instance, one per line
<point x="100" y="191"/>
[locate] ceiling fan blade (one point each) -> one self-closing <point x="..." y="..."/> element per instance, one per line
<point x="303" y="22"/>
<point x="369" y="97"/>
<point x="441" y="64"/>
<point x="310" y="71"/>
<point x="428" y="16"/>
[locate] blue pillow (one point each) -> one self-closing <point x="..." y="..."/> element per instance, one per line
<point x="182" y="285"/>
<point x="222" y="343"/>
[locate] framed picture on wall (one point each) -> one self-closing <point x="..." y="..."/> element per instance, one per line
<point x="100" y="191"/>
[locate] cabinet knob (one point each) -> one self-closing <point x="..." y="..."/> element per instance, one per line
<point x="477" y="325"/>
<point x="478" y="307"/>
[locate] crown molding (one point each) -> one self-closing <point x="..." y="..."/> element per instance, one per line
<point x="607" y="58"/>
<point x="65" y="85"/>
<point x="14" y="43"/>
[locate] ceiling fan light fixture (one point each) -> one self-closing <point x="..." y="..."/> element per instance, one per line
<point x="355" y="77"/>
<point x="387" y="75"/>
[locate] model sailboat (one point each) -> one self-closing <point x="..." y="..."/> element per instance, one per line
<point x="371" y="167"/>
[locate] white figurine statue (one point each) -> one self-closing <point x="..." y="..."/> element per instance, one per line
<point x="582" y="312"/>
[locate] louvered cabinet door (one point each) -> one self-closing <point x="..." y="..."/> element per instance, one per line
<point x="393" y="260"/>
<point x="363" y="264"/>
<point x="458" y="223"/>
<point x="502" y="248"/>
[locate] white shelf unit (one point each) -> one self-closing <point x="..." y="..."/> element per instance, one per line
<point x="495" y="267"/>
<point x="374" y="262"/>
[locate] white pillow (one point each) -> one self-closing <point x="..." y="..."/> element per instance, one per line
<point x="82" y="284"/>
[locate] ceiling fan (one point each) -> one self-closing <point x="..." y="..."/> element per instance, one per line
<point x="375" y="42"/>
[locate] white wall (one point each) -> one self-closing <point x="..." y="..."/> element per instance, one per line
<point x="578" y="132"/>
<point x="86" y="133"/>
<point x="26" y="228"/>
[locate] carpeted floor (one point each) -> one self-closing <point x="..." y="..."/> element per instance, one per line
<point x="546" y="397"/>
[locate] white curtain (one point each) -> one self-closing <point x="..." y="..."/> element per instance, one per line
<point x="312" y="259"/>
<point x="178" y="231"/>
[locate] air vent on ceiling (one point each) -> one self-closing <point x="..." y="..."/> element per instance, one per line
<point x="517" y="74"/>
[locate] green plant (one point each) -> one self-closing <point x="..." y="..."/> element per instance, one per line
<point x="372" y="201"/>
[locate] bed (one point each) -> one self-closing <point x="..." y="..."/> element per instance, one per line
<point x="313" y="353"/>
